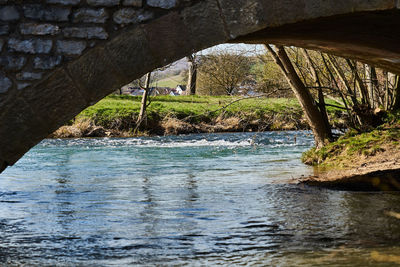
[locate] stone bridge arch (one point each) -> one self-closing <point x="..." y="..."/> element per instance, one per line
<point x="60" y="56"/>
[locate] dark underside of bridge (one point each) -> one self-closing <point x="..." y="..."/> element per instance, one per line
<point x="371" y="37"/>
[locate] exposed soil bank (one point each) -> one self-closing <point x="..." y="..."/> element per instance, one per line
<point x="174" y="126"/>
<point x="367" y="162"/>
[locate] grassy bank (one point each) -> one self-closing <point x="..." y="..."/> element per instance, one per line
<point x="354" y="150"/>
<point x="116" y="116"/>
<point x="368" y="161"/>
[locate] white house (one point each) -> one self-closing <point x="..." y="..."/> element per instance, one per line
<point x="181" y="89"/>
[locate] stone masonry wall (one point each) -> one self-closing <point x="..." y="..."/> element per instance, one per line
<point x="37" y="36"/>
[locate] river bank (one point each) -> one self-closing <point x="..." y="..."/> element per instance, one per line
<point x="116" y="116"/>
<point x="367" y="161"/>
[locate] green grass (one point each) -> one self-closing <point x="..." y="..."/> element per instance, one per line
<point x="116" y="106"/>
<point x="188" y="105"/>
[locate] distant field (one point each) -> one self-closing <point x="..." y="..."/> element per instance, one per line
<point x="171" y="82"/>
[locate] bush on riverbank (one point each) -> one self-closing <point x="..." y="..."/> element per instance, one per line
<point x="116" y="116"/>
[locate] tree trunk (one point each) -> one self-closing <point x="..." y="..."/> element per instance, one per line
<point x="191" y="86"/>
<point x="387" y="91"/>
<point x="396" y="102"/>
<point x="317" y="82"/>
<point x="369" y="73"/>
<point x="392" y="78"/>
<point x="352" y="120"/>
<point x="344" y="80"/>
<point x="360" y="83"/>
<point x="144" y="101"/>
<point x="322" y="135"/>
<point x="375" y="82"/>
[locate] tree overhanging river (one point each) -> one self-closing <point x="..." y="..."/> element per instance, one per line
<point x="194" y="199"/>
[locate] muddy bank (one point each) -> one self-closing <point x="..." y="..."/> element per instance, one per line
<point x="386" y="180"/>
<point x="379" y="171"/>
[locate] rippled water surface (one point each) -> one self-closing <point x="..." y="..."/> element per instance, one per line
<point x="220" y="199"/>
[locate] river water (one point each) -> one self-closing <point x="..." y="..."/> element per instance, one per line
<point x="197" y="200"/>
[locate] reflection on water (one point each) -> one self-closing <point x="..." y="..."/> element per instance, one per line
<point x="197" y="200"/>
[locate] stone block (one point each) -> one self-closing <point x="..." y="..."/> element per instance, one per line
<point x="86" y="32"/>
<point x="145" y="15"/>
<point x="245" y="16"/>
<point x="168" y="38"/>
<point x="166" y="4"/>
<point x="71" y="47"/>
<point x="46" y="13"/>
<point x="205" y="24"/>
<point x="64" y="2"/>
<point x="130" y="15"/>
<point x="134" y="3"/>
<point x="287" y="11"/>
<point x="131" y="53"/>
<point x="4" y="29"/>
<point x="320" y="8"/>
<point x="89" y="15"/>
<point x="29" y="76"/>
<point x="46" y="62"/>
<point x="97" y="74"/>
<point x="9" y="13"/>
<point x="5" y="83"/>
<point x="103" y="2"/>
<point x="6" y="94"/>
<point x="31" y="46"/>
<point x="362" y="5"/>
<point x="23" y="85"/>
<point x="12" y="62"/>
<point x="39" y="29"/>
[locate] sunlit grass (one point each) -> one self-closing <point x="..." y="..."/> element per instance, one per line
<point x="182" y="106"/>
